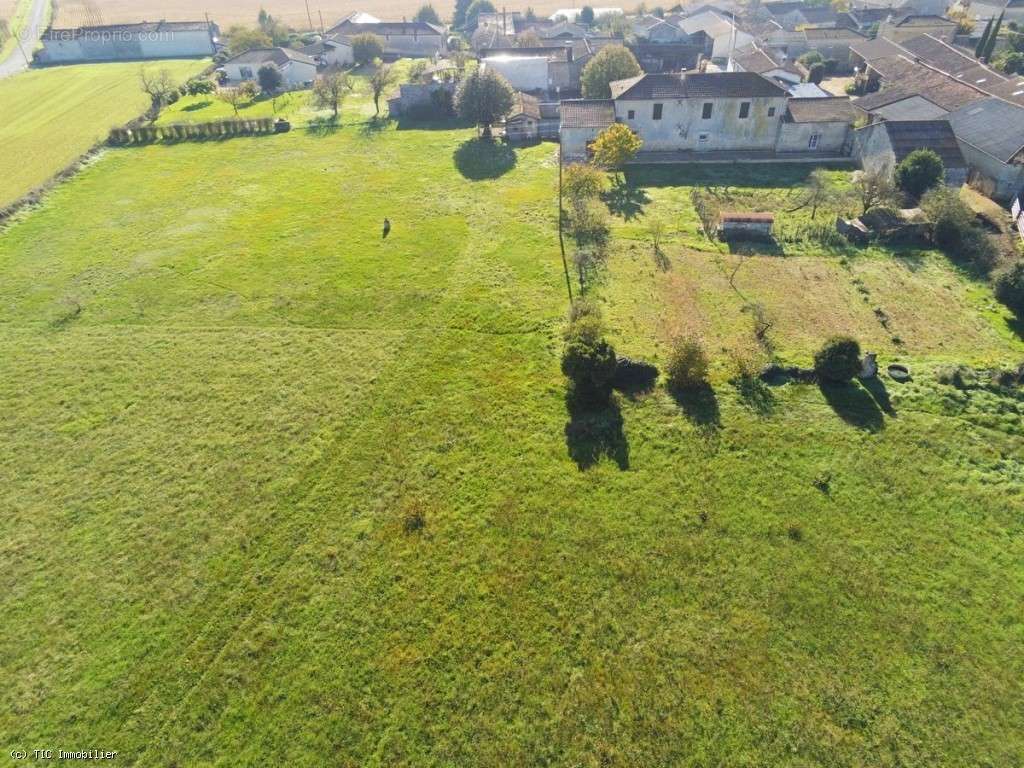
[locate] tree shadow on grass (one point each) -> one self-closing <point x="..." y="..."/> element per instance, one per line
<point x="661" y="260"/>
<point x="876" y="388"/>
<point x="754" y="247"/>
<point x="373" y="126"/>
<point x="479" y="159"/>
<point x="197" y="106"/>
<point x="625" y="199"/>
<point x="854" y="405"/>
<point x="595" y="432"/>
<point x="323" y="126"/>
<point x="701" y="407"/>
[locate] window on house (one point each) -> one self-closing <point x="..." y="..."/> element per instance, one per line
<point x="812" y="143"/>
<point x="702" y="138"/>
<point x="706" y="114"/>
<point x="771" y="111"/>
<point x="657" y="112"/>
<point x="744" y="110"/>
<point x="246" y="73"/>
<point x="631" y="114"/>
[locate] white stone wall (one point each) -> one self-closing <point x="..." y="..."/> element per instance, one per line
<point x="682" y="126"/>
<point x="127" y="47"/>
<point x="796" y="137"/>
<point x="1008" y="179"/>
<point x="522" y="73"/>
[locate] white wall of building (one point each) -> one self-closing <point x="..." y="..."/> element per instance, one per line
<point x="683" y="127"/>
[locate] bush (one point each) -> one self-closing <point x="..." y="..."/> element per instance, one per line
<point x="838" y="360"/>
<point x="269" y="78"/>
<point x="687" y="366"/>
<point x="816" y="73"/>
<point x="1009" y="288"/>
<point x="367" y="47"/>
<point x="919" y="171"/>
<point x="589" y="362"/>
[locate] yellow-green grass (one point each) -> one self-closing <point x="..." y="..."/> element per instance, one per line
<point x="295" y="106"/>
<point x="53" y="115"/>
<point x="902" y="302"/>
<point x="15" y="13"/>
<point x="229" y="402"/>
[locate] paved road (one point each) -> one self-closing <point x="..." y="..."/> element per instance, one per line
<point x="29" y="39"/>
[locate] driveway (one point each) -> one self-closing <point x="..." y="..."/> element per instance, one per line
<point x="29" y="39"/>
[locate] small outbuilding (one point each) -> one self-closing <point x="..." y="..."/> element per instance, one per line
<point x="735" y="225"/>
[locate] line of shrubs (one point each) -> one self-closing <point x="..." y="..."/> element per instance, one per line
<point x="216" y="129"/>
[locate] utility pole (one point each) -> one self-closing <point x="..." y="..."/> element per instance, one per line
<point x="310" y="17"/>
<point x="561" y="239"/>
<point x="322" y="32"/>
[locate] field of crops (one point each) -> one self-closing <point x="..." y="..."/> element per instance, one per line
<point x="51" y="116"/>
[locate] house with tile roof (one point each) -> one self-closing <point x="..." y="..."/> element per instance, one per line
<point x="701" y="111"/>
<point x="296" y="68"/>
<point x="415" y="39"/>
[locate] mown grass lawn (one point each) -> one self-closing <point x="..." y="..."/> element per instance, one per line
<point x="53" y="115"/>
<point x="277" y="490"/>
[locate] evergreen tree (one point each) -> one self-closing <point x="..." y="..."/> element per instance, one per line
<point x="980" y="49"/>
<point x="993" y="38"/>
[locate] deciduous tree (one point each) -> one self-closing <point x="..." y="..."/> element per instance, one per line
<point x="616" y="145"/>
<point x="367" y="47"/>
<point x="382" y="78"/>
<point x="158" y="86"/>
<point x="330" y="90"/>
<point x="484" y="98"/>
<point x="613" y="62"/>
<point x="427" y="14"/>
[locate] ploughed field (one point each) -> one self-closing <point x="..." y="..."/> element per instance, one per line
<point x="228" y="12"/>
<point x="275" y="489"/>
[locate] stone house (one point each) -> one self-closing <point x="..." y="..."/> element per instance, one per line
<point x="700" y="112"/>
<point x="753" y="58"/>
<point x="128" y="42"/>
<point x="333" y="51"/>
<point x="415" y="39"/>
<point x="724" y="34"/>
<point x="820" y="125"/>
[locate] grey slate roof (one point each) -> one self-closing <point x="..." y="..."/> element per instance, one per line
<point x="696" y="85"/>
<point x="751" y="58"/>
<point x="588" y="113"/>
<point x="278" y="56"/>
<point x="144" y="27"/>
<point x="837" y="109"/>
<point x="937" y="135"/>
<point x="994" y="126"/>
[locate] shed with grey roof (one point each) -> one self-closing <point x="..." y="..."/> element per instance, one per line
<point x="991" y="137"/>
<point x="581" y="122"/>
<point x="883" y="145"/>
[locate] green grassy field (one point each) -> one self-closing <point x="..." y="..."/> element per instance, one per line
<point x="51" y="116"/>
<point x="276" y="490"/>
